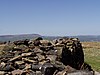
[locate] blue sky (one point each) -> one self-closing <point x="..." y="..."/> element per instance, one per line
<point x="50" y="17"/>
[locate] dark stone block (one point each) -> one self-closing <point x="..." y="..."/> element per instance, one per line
<point x="48" y="69"/>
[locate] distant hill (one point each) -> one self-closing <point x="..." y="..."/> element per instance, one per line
<point x="31" y="36"/>
<point x="81" y="37"/>
<point x="18" y="37"/>
<point x="88" y="37"/>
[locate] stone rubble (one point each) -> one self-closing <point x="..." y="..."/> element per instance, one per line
<point x="62" y="56"/>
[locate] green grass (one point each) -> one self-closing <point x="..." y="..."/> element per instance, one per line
<point x="92" y="56"/>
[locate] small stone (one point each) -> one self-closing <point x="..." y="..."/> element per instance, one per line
<point x="52" y="58"/>
<point x="2" y="65"/>
<point x="30" y="72"/>
<point x="40" y="57"/>
<point x="37" y="42"/>
<point x="48" y="69"/>
<point x="36" y="67"/>
<point x="26" y="54"/>
<point x="8" y="67"/>
<point x="28" y="66"/>
<point x="15" y="58"/>
<point x="45" y="43"/>
<point x="19" y="62"/>
<point x="38" y="73"/>
<point x="17" y="72"/>
<point x="43" y="61"/>
<point x="2" y="72"/>
<point x="28" y="60"/>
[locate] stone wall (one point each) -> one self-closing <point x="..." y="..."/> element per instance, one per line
<point x="61" y="56"/>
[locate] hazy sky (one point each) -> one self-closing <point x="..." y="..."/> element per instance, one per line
<point x="50" y="17"/>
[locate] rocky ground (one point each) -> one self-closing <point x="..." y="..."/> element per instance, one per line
<point x="63" y="56"/>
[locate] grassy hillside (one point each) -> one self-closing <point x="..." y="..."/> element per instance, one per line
<point x="92" y="54"/>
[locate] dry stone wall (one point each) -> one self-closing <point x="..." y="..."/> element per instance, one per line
<point x="63" y="56"/>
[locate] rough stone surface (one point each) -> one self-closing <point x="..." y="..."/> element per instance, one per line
<point x="62" y="56"/>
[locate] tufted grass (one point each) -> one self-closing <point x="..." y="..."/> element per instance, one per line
<point x="92" y="54"/>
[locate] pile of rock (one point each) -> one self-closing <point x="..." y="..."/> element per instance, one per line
<point x="62" y="56"/>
